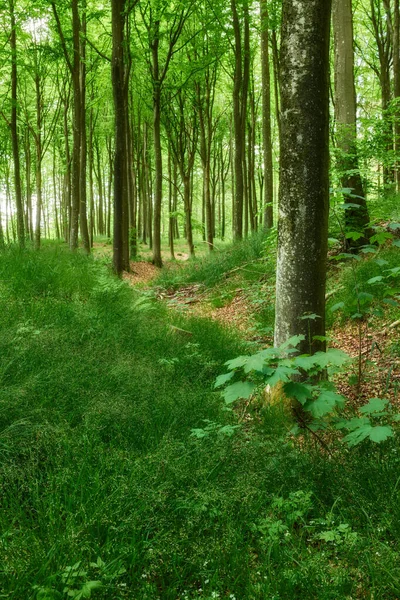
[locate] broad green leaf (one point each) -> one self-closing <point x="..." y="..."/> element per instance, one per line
<point x="222" y="379"/>
<point x="309" y="317"/>
<point x="369" y="250"/>
<point x="394" y="226"/>
<point x="337" y="306"/>
<point x="237" y="363"/>
<point x="380" y="433"/>
<point x="357" y="436"/>
<point x="349" y="205"/>
<point x="375" y="405"/>
<point x="390" y="302"/>
<point x="347" y="255"/>
<point x="324" y="404"/>
<point x="281" y="374"/>
<point x="305" y="362"/>
<point x="333" y="357"/>
<point x="396" y="243"/>
<point x="381" y="237"/>
<point x="293" y="342"/>
<point x="364" y="297"/>
<point x="353" y="424"/>
<point x="381" y="262"/>
<point x="240" y="389"/>
<point x="298" y="391"/>
<point x="375" y="280"/>
<point x="354" y="235"/>
<point x="256" y="362"/>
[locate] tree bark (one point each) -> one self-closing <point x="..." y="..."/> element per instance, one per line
<point x="268" y="186"/>
<point x="345" y="113"/>
<point x="117" y="69"/>
<point x="14" y="129"/>
<point x="304" y="193"/>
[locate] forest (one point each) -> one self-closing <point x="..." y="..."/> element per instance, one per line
<point x="200" y="299"/>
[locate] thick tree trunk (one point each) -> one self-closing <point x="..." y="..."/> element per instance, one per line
<point x="345" y="113"/>
<point x="304" y="193"/>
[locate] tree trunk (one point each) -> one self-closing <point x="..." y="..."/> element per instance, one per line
<point x="345" y="113"/>
<point x="117" y="69"/>
<point x="304" y="193"/>
<point x="14" y="129"/>
<point x="268" y="186"/>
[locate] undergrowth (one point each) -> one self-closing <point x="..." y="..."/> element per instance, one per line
<point x="122" y="475"/>
<point x="209" y="270"/>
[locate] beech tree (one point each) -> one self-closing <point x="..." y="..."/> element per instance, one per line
<point x="357" y="219"/>
<point x="304" y="191"/>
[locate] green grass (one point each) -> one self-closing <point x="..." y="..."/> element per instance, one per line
<point x="209" y="269"/>
<point x="98" y="398"/>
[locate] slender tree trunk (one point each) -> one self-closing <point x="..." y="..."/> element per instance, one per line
<point x="117" y="68"/>
<point x="39" y="156"/>
<point x="268" y="187"/>
<point x="396" y="78"/>
<point x="14" y="129"/>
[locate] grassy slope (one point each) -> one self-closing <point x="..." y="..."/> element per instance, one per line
<point x="97" y="401"/>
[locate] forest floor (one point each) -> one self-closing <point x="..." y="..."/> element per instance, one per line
<point x="236" y="306"/>
<point x="124" y="475"/>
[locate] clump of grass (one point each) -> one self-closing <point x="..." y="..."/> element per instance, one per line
<point x="210" y="269"/>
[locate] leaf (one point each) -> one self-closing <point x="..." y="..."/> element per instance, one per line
<point x="396" y="243"/>
<point x="359" y="435"/>
<point x="380" y="433"/>
<point x="281" y="374"/>
<point x="240" y="389"/>
<point x="375" y="405"/>
<point x="337" y="306"/>
<point x="237" y="363"/>
<point x="381" y="237"/>
<point x="293" y="342"/>
<point x="394" y="226"/>
<point x="347" y="255"/>
<point x="309" y="317"/>
<point x="364" y="297"/>
<point x="390" y="302"/>
<point x="354" y="235"/>
<point x="222" y="379"/>
<point x="381" y="262"/>
<point x="349" y="205"/>
<point x="368" y="250"/>
<point x="375" y="280"/>
<point x="299" y="391"/>
<point x="324" y="404"/>
<point x="256" y="362"/>
<point x="353" y="424"/>
<point x="305" y="362"/>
